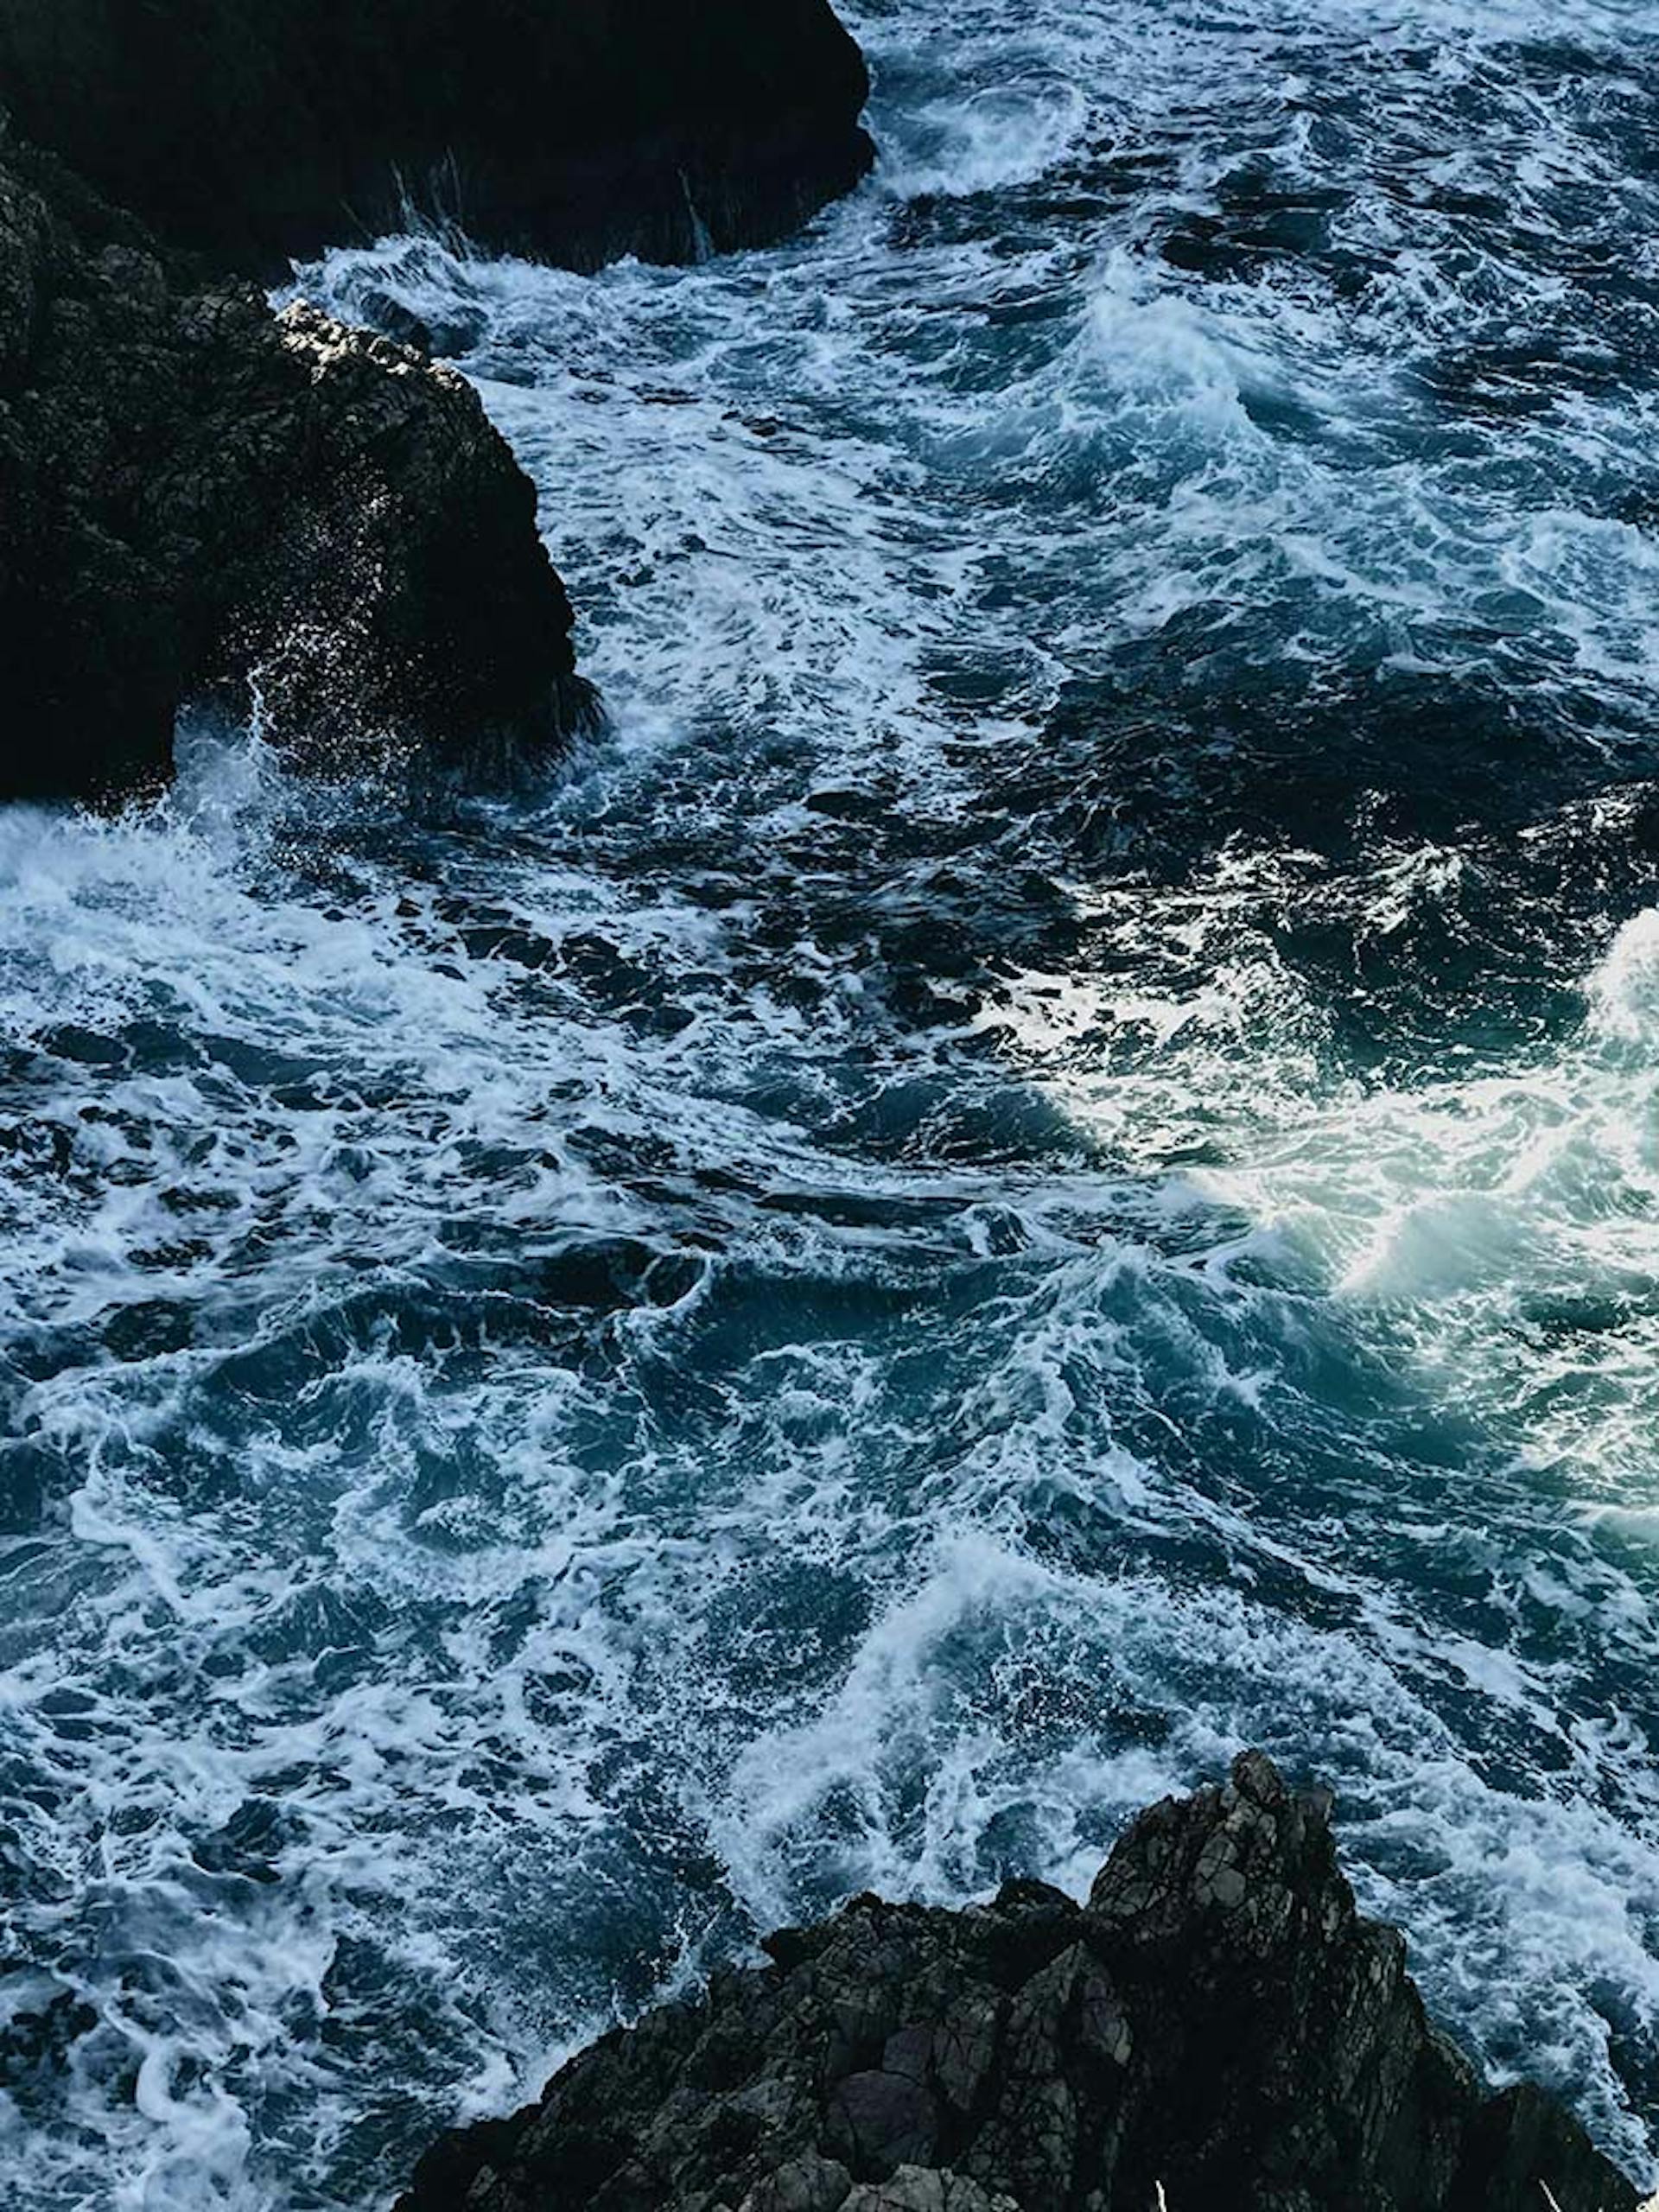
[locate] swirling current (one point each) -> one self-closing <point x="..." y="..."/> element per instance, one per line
<point x="1045" y="1162"/>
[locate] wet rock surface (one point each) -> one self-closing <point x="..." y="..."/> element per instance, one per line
<point x="203" y="501"/>
<point x="206" y="501"/>
<point x="253" y="129"/>
<point x="1216" y="2027"/>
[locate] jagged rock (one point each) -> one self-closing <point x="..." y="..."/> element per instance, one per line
<point x="201" y="498"/>
<point x="1217" y="2025"/>
<point x="924" y="2189"/>
<point x="253" y="129"/>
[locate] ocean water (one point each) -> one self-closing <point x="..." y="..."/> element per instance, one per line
<point x="1044" y="1163"/>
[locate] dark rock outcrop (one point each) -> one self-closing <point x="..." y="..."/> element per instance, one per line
<point x="574" y="130"/>
<point x="202" y="500"/>
<point x="1218" y="2030"/>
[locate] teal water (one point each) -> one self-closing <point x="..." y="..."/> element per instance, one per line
<point x="1044" y="1163"/>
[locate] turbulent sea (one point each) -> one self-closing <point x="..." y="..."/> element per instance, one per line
<point x="1044" y="1163"/>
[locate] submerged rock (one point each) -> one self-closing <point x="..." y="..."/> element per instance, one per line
<point x="1216" y="2031"/>
<point x="204" y="500"/>
<point x="253" y="129"/>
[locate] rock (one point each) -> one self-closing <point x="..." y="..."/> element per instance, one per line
<point x="1217" y="2030"/>
<point x="205" y="501"/>
<point x="918" y="2189"/>
<point x="880" y="2120"/>
<point x="808" y="2185"/>
<point x="574" y="130"/>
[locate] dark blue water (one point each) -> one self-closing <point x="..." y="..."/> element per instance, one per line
<point x="1046" y="1163"/>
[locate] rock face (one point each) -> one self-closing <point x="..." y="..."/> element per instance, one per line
<point x="576" y="130"/>
<point x="202" y="499"/>
<point x="1218" y="2030"/>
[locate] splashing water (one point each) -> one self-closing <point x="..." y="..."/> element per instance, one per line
<point x="1045" y="1164"/>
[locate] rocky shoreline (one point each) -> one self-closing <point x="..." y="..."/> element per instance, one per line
<point x="209" y="504"/>
<point x="253" y="131"/>
<point x="1216" y="2027"/>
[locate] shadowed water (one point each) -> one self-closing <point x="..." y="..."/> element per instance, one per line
<point x="1045" y="1164"/>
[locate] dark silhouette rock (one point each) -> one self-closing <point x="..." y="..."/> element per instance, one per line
<point x="1216" y="2031"/>
<point x="575" y="129"/>
<point x="205" y="501"/>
